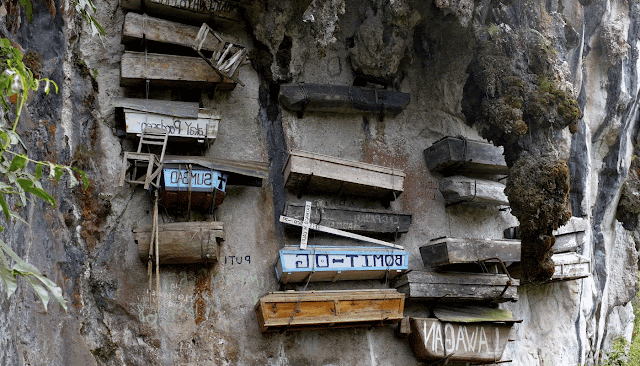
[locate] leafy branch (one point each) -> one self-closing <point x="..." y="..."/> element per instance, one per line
<point x="20" y="175"/>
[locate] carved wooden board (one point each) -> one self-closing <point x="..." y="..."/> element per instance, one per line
<point x="454" y="155"/>
<point x="169" y="71"/>
<point x="363" y="221"/>
<point x="328" y="309"/>
<point x="339" y="263"/>
<point x="182" y="242"/>
<point x="570" y="266"/>
<point x="458" y="286"/>
<point x="313" y="172"/>
<point x="445" y="251"/>
<point x="433" y="340"/>
<point x="341" y="99"/>
<point x="239" y="173"/>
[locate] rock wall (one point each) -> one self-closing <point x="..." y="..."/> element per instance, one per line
<point x="425" y="48"/>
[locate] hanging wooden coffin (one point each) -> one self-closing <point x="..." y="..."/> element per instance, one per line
<point x="182" y="242"/>
<point x="328" y="309"/>
<point x="194" y="187"/>
<point x="192" y="10"/>
<point x="570" y="266"/>
<point x="476" y="192"/>
<point x="570" y="236"/>
<point x="311" y="172"/>
<point x="170" y="71"/>
<point x="446" y="251"/>
<point x="363" y="221"/>
<point x="456" y="155"/>
<point x="472" y="342"/>
<point x="341" y="99"/>
<point x="457" y="286"/>
<point x="183" y="121"/>
<point x="339" y="263"/>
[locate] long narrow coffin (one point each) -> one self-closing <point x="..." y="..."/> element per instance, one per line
<point x="339" y="263"/>
<point x="328" y="309"/>
<point x="183" y="121"/>
<point x="192" y="10"/>
<point x="477" y="192"/>
<point x="183" y="242"/>
<point x="357" y="220"/>
<point x="475" y="342"/>
<point x="137" y="27"/>
<point x="445" y="251"/>
<point x="170" y="71"/>
<point x="457" y="286"/>
<point x="571" y="236"/>
<point x="312" y="172"/>
<point x="456" y="155"/>
<point x="341" y="99"/>
<point x="570" y="266"/>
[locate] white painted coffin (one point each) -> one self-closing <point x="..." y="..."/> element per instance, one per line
<point x="478" y="192"/>
<point x="571" y="236"/>
<point x="570" y="266"/>
<point x="339" y="263"/>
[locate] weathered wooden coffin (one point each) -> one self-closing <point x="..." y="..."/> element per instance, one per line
<point x="457" y="286"/>
<point x="445" y="251"/>
<point x="341" y="99"/>
<point x="478" y="192"/>
<point x="357" y="220"/>
<point x="191" y="10"/>
<point x="239" y="173"/>
<point x="170" y="71"/>
<point x="571" y="236"/>
<point x="182" y="120"/>
<point x="456" y="155"/>
<point x="182" y="242"/>
<point x="339" y="263"/>
<point x="473" y="342"/>
<point x="570" y="266"/>
<point x="138" y="26"/>
<point x="311" y="172"/>
<point x="328" y="309"/>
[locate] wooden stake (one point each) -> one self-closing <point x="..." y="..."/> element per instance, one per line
<point x="155" y="230"/>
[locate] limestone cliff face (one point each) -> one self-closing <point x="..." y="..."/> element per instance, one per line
<point x="555" y="83"/>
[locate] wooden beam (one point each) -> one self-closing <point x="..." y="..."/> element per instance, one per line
<point x="169" y="71"/>
<point x="445" y="251"/>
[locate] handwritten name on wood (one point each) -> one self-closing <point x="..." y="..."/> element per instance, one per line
<point x="176" y="127"/>
<point x="198" y="5"/>
<point x="197" y="180"/>
<point x="349" y="261"/>
<point x="466" y="342"/>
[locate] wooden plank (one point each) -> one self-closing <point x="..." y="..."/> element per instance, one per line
<point x="339" y="263"/>
<point x="455" y="155"/>
<point x="183" y="243"/>
<point x="313" y="309"/>
<point x="431" y="286"/>
<point x="136" y="26"/>
<point x="169" y="71"/>
<point x="341" y="99"/>
<point x="445" y="251"/>
<point x="346" y="234"/>
<point x="476" y="192"/>
<point x="330" y="175"/>
<point x="195" y="179"/>
<point x="570" y="266"/>
<point x="433" y="340"/>
<point x="473" y="314"/>
<point x="165" y="107"/>
<point x="180" y="200"/>
<point x="249" y="173"/>
<point x="196" y="10"/>
<point x="357" y="220"/>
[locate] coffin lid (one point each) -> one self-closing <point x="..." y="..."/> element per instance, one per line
<point x="166" y="107"/>
<point x="474" y="314"/>
<point x="238" y="170"/>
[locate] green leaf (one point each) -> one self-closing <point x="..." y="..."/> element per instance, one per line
<point x="4" y="206"/>
<point x="72" y="178"/>
<point x="39" y="170"/>
<point x="27" y="185"/>
<point x="40" y="290"/>
<point x="18" y="162"/>
<point x="7" y="249"/>
<point x="59" y="170"/>
<point x="9" y="280"/>
<point x="55" y="290"/>
<point x="85" y="180"/>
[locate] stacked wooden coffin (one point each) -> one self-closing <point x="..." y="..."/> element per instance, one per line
<point x="468" y="166"/>
<point x="570" y="239"/>
<point x="376" y="259"/>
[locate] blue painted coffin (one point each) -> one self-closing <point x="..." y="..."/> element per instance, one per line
<point x="201" y="180"/>
<point x="339" y="263"/>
